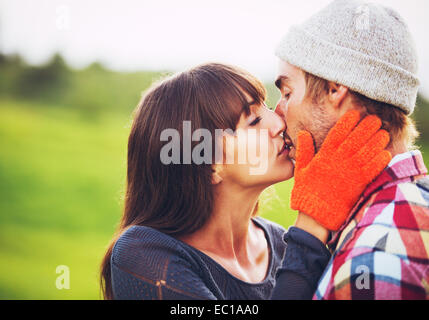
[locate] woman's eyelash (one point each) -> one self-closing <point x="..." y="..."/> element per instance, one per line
<point x="255" y="122"/>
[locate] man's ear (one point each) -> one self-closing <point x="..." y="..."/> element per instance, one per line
<point x="216" y="174"/>
<point x="337" y="94"/>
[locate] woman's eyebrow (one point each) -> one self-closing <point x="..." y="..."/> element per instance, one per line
<point x="279" y="81"/>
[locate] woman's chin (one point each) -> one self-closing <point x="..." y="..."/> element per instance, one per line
<point x="285" y="172"/>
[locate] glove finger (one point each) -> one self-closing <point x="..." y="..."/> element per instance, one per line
<point x="376" y="144"/>
<point x="359" y="136"/>
<point x="304" y="150"/>
<point x="339" y="132"/>
<point x="374" y="167"/>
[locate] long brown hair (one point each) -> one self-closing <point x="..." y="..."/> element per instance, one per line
<point x="178" y="199"/>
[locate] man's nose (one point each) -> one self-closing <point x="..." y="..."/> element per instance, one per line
<point x="281" y="110"/>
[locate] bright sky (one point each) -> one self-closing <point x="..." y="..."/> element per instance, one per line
<point x="169" y="34"/>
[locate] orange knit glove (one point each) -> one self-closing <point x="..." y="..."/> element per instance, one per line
<point x="328" y="184"/>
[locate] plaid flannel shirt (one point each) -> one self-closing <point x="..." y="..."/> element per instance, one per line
<point x="382" y="251"/>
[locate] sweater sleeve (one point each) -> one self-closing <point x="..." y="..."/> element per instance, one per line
<point x="130" y="286"/>
<point x="304" y="262"/>
<point x="146" y="265"/>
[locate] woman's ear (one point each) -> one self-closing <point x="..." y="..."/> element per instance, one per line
<point x="216" y="176"/>
<point x="337" y="94"/>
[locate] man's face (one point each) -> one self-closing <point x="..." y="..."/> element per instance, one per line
<point x="299" y="111"/>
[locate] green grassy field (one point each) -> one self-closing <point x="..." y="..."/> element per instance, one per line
<point x="61" y="181"/>
<point x="61" y="185"/>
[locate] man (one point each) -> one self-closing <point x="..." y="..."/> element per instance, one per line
<point x="358" y="56"/>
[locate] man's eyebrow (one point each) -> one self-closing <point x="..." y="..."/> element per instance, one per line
<point x="279" y="81"/>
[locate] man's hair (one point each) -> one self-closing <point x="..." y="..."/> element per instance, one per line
<point x="395" y="121"/>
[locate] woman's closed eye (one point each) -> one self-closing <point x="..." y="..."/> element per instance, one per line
<point x="255" y="122"/>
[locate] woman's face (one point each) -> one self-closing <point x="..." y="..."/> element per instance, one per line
<point x="257" y="149"/>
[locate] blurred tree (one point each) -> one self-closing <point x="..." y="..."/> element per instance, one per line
<point x="11" y="67"/>
<point x="2" y="59"/>
<point x="48" y="81"/>
<point x="96" y="67"/>
<point x="421" y="116"/>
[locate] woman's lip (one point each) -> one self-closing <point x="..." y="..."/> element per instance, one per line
<point x="284" y="152"/>
<point x="282" y="149"/>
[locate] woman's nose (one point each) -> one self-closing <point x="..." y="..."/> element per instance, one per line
<point x="278" y="126"/>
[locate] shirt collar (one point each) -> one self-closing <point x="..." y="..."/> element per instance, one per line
<point x="402" y="166"/>
<point x="406" y="165"/>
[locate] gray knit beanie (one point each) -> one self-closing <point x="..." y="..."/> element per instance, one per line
<point x="363" y="46"/>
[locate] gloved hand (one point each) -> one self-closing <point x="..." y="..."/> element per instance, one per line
<point x="328" y="184"/>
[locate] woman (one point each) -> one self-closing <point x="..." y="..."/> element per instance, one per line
<point x="189" y="229"/>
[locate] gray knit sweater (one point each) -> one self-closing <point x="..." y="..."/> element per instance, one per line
<point x="148" y="264"/>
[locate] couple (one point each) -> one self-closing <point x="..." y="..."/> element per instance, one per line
<point x="341" y="128"/>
